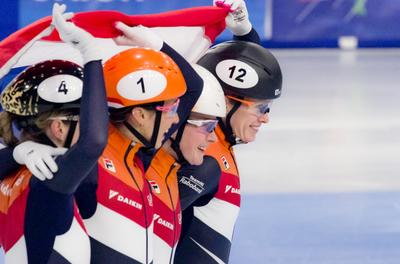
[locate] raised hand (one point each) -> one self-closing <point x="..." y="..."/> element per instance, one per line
<point x="139" y="36"/>
<point x="79" y="38"/>
<point x="237" y="20"/>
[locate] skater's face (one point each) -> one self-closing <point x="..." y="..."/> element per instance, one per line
<point x="249" y="117"/>
<point x="59" y="127"/>
<point x="168" y="118"/>
<point x="197" y="135"/>
<point x="143" y="120"/>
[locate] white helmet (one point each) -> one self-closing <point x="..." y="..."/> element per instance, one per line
<point x="212" y="99"/>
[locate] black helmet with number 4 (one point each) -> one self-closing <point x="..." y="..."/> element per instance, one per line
<point x="244" y="69"/>
<point x="46" y="86"/>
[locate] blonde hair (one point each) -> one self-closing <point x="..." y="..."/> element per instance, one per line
<point x="41" y="122"/>
<point x="6" y="131"/>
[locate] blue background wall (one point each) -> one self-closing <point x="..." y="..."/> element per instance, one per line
<point x="281" y="23"/>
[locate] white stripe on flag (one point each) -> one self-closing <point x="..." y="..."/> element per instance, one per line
<point x="176" y="37"/>
<point x="15" y="59"/>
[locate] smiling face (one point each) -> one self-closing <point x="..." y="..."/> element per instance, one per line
<point x="248" y="118"/>
<point x="197" y="135"/>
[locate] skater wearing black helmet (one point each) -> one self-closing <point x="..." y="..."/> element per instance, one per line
<point x="251" y="79"/>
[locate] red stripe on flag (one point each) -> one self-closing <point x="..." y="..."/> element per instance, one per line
<point x="101" y="24"/>
<point x="213" y="18"/>
<point x="16" y="41"/>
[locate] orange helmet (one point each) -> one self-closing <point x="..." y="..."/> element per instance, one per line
<point x="140" y="76"/>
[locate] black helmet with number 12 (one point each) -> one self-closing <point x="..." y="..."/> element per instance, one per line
<point x="244" y="69"/>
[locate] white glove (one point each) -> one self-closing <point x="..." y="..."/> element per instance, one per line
<point x="237" y="20"/>
<point x="79" y="38"/>
<point x="139" y="36"/>
<point x="38" y="158"/>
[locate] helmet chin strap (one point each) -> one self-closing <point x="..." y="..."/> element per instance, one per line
<point x="148" y="144"/>
<point x="227" y="127"/>
<point x="44" y="139"/>
<point x="70" y="134"/>
<point x="156" y="129"/>
<point x="175" y="144"/>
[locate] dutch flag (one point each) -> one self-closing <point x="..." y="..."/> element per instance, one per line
<point x="189" y="31"/>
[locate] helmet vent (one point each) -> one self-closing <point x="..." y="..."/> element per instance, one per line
<point x="268" y="71"/>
